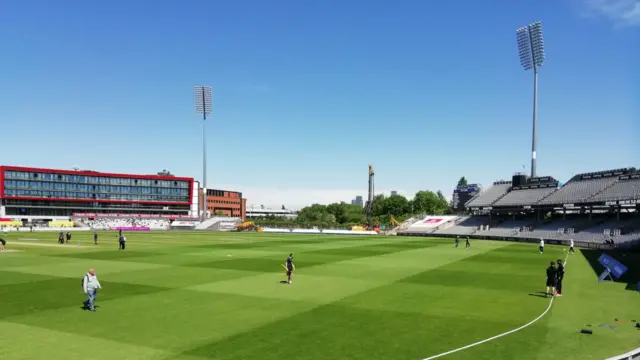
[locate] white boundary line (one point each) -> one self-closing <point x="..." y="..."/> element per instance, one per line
<point x="500" y="335"/>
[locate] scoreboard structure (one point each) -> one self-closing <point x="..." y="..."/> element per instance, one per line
<point x="462" y="194"/>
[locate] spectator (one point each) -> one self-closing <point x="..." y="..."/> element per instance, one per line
<point x="90" y="285"/>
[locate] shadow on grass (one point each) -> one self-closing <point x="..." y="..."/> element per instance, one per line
<point x="541" y="294"/>
<point x="631" y="259"/>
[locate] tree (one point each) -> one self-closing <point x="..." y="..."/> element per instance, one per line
<point x="462" y="181"/>
<point x="383" y="209"/>
<point x="378" y="205"/>
<point x="396" y="205"/>
<point x="428" y="202"/>
<point x="311" y="213"/>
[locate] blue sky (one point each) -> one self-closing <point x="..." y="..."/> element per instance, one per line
<point x="307" y="93"/>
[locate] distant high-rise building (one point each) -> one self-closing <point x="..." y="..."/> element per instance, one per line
<point x="394" y="192"/>
<point x="357" y="201"/>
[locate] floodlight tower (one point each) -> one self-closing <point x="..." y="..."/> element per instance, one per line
<point x="531" y="49"/>
<point x="204" y="102"/>
<point x="368" y="207"/>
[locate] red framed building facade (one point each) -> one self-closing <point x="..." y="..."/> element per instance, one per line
<point x="37" y="192"/>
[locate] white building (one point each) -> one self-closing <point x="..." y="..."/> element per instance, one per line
<point x="260" y="211"/>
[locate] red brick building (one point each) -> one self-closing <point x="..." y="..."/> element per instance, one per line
<point x="224" y="202"/>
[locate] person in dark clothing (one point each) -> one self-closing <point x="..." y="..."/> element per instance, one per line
<point x="290" y="266"/>
<point x="122" y="242"/>
<point x="68" y="236"/>
<point x="468" y="244"/>
<point x="2" y="244"/>
<point x="457" y="241"/>
<point x="559" y="277"/>
<point x="60" y="238"/>
<point x="551" y="280"/>
<point x="95" y="238"/>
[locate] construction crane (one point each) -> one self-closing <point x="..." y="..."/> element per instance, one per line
<point x="368" y="207"/>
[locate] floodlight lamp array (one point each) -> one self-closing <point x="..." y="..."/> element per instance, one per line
<point x="203" y="99"/>
<point x="530" y="45"/>
<point x="524" y="48"/>
<point x="537" y="43"/>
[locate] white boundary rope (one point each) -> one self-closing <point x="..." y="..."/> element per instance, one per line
<point x="500" y="335"/>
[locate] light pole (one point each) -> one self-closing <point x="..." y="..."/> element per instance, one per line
<point x="204" y="102"/>
<point x="531" y="49"/>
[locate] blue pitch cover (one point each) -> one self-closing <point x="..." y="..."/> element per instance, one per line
<point x="616" y="268"/>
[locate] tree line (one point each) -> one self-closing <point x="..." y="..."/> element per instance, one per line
<point x="343" y="215"/>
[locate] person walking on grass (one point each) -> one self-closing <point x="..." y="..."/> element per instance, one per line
<point x="2" y="244"/>
<point x="90" y="286"/>
<point x="468" y="244"/>
<point x="541" y="246"/>
<point x="95" y="238"/>
<point x="571" y="250"/>
<point x="457" y="241"/>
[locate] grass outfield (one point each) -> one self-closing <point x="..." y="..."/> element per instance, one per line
<point x="217" y="296"/>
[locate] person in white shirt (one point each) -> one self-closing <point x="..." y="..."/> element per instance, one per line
<point x="541" y="245"/>
<point x="122" y="241"/>
<point x="90" y="285"/>
<point x="571" y="247"/>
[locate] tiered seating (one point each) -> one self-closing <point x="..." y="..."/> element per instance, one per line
<point x="524" y="197"/>
<point x="630" y="232"/>
<point x="212" y="223"/>
<point x="596" y="234"/>
<point x="507" y="228"/>
<point x="109" y="223"/>
<point x="582" y="187"/>
<point x="626" y="188"/>
<point x="429" y="224"/>
<point x="466" y="225"/>
<point x="550" y="230"/>
<point x="489" y="196"/>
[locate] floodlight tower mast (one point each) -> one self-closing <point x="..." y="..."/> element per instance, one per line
<point x="531" y="50"/>
<point x="204" y="102"/>
<point x="368" y="208"/>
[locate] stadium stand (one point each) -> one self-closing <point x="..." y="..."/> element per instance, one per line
<point x="597" y="210"/>
<point x="212" y="222"/>
<point x="626" y="188"/>
<point x="524" y="196"/>
<point x="584" y="186"/>
<point x="558" y="229"/>
<point x="507" y="228"/>
<point x="184" y="224"/>
<point x="465" y="225"/>
<point x="598" y="230"/>
<point x="491" y="195"/>
<point x="429" y="224"/>
<point x="226" y="225"/>
<point x="112" y="223"/>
